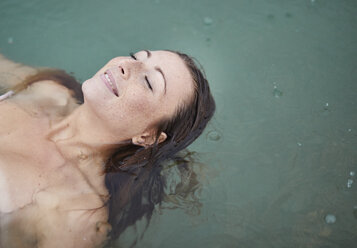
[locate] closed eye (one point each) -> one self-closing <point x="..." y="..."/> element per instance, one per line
<point x="146" y="78"/>
<point x="132" y="55"/>
<point x="148" y="83"/>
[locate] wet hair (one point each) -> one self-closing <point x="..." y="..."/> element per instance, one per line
<point x="134" y="197"/>
<point x="134" y="177"/>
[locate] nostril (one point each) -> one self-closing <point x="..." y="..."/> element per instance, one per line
<point x="122" y="70"/>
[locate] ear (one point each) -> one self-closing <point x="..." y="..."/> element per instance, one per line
<point x="147" y="139"/>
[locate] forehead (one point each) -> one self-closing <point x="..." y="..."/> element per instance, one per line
<point x="177" y="75"/>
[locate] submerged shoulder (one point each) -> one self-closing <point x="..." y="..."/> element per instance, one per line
<point x="48" y="97"/>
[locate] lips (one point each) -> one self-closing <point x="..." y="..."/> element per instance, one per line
<point x="109" y="81"/>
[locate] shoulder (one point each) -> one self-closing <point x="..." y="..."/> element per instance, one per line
<point x="17" y="77"/>
<point x="47" y="97"/>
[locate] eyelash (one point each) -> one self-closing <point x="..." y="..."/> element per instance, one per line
<point x="146" y="78"/>
<point x="132" y="55"/>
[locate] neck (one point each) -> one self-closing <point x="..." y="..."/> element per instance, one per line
<point x="80" y="136"/>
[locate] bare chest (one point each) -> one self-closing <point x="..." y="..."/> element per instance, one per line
<point x="26" y="157"/>
<point x="30" y="165"/>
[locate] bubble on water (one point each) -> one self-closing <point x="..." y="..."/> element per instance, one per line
<point x="349" y="183"/>
<point x="330" y="219"/>
<point x="10" y="40"/>
<point x="352" y="173"/>
<point x="326" y="109"/>
<point x="299" y="144"/>
<point x="207" y="21"/>
<point x="277" y="93"/>
<point x="213" y="136"/>
<point x="349" y="130"/>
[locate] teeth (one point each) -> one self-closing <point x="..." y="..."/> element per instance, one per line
<point x="111" y="83"/>
<point x="107" y="77"/>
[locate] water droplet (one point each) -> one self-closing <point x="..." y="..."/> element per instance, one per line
<point x="10" y="40"/>
<point x="352" y="173"/>
<point x="208" y="21"/>
<point x="213" y="136"/>
<point x="277" y="93"/>
<point x="330" y="219"/>
<point x="326" y="109"/>
<point x="299" y="144"/>
<point x="349" y="183"/>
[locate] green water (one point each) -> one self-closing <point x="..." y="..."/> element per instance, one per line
<point x="281" y="150"/>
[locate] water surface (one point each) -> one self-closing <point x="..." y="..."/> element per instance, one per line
<point x="280" y="153"/>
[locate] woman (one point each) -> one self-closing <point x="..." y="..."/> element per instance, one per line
<point x="79" y="173"/>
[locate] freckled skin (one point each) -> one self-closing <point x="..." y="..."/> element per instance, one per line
<point x="139" y="107"/>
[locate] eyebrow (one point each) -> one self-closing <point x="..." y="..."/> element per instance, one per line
<point x="157" y="68"/>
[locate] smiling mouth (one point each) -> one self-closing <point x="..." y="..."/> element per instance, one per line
<point x="110" y="83"/>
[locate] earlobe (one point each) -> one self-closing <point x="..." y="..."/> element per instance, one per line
<point x="147" y="139"/>
<point x="138" y="140"/>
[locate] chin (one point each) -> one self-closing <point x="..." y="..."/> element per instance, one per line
<point x="96" y="97"/>
<point x="93" y="89"/>
<point x="87" y="90"/>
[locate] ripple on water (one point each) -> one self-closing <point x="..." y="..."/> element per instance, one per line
<point x="349" y="183"/>
<point x="214" y="135"/>
<point x="326" y="109"/>
<point x="207" y="21"/>
<point x="276" y="92"/>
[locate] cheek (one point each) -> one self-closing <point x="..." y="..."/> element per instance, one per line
<point x="138" y="105"/>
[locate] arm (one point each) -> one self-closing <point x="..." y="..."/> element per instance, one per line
<point x="12" y="73"/>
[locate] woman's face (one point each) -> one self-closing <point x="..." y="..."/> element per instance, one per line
<point x="130" y="95"/>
